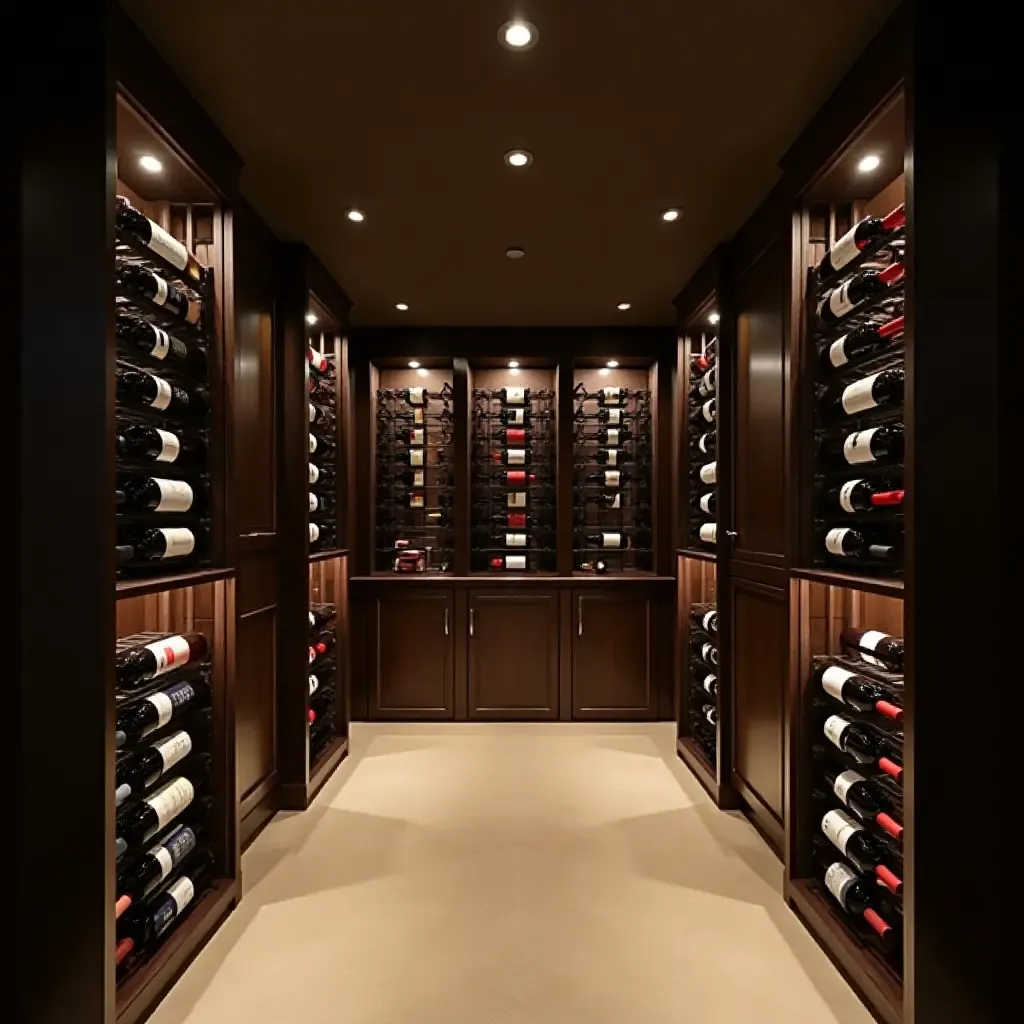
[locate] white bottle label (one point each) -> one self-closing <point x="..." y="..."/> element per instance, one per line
<point x="870" y="640"/>
<point x="170" y="653"/>
<point x="709" y="714"/>
<point x="845" y="494"/>
<point x="706" y="620"/>
<point x="312" y="444"/>
<point x="167" y="246"/>
<point x="516" y="417"/>
<point x="182" y="892"/>
<point x="839" y="300"/>
<point x="614" y="416"/>
<point x="857" y="397"/>
<point x="709" y="682"/>
<point x="516" y="456"/>
<point x="416" y="501"/>
<point x="312" y="412"/>
<point x="314" y="473"/>
<point x="702" y="443"/>
<point x="160" y="295"/>
<point x="857" y="447"/>
<point x="709" y="654"/>
<point x="178" y="541"/>
<point x="170" y="446"/>
<point x="611" y="540"/>
<point x="832" y="680"/>
<point x="312" y="621"/>
<point x="517" y="499"/>
<point x="709" y="533"/>
<point x="515" y="396"/>
<point x="164" y="708"/>
<point x="163" y="395"/>
<point x="837" y="352"/>
<point x="175" y="495"/>
<point x="840" y="828"/>
<point x="417" y="396"/>
<point x="515" y="540"/>
<point x="834" y="541"/>
<point x="613" y="436"/>
<point x="416" y="436"/>
<point x="612" y="477"/>
<point x="612" y="396"/>
<point x="161" y="343"/>
<point x="314" y="533"/>
<point x="844" y="250"/>
<point x="844" y="781"/>
<point x="416" y="456"/>
<point x="170" y="800"/>
<point x="707" y="410"/>
<point x="835" y="726"/>
<point x="173" y="748"/>
<point x="314" y="502"/>
<point x="515" y="561"/>
<point x="417" y="417"/>
<point x="314" y="685"/>
<point x="838" y="879"/>
<point x="419" y="478"/>
<point x="613" y="456"/>
<point x="616" y="502"/>
<point x="708" y="473"/>
<point x="163" y="857"/>
<point x="705" y="503"/>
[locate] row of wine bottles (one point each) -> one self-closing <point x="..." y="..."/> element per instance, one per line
<point x="323" y="443"/>
<point x="321" y="710"/>
<point x="702" y="696"/>
<point x="702" y="412"/>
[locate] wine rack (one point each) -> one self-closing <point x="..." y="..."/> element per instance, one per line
<point x="513" y="480"/>
<point x="612" y="479"/>
<point x="702" y="414"/>
<point x="858" y="414"/>
<point x="164" y="331"/>
<point x="415" y="456"/>
<point x="322" y="709"/>
<point x="702" y="676"/>
<point x="323" y="445"/>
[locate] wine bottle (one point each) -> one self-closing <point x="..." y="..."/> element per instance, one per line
<point x="153" y="391"/>
<point x="865" y="852"/>
<point x="611" y="396"/>
<point x="705" y="413"/>
<point x="319" y="416"/>
<point x="515" y="417"/>
<point x="710" y="713"/>
<point x="703" y="678"/>
<point x="509" y="562"/>
<point x="156" y="239"/>
<point x="320" y="474"/>
<point x="321" y="614"/>
<point x="703" y="650"/>
<point x="866" y="801"/>
<point x="706" y="385"/>
<point x="857" y="239"/>
<point x="700" y="363"/>
<point x="609" y="539"/>
<point x="512" y="457"/>
<point x="164" y="542"/>
<point x="858" y="898"/>
<point x="514" y="396"/>
<point x="156" y="494"/>
<point x="613" y="417"/>
<point x="702" y="617"/>
<point x="320" y="502"/>
<point x="141" y="768"/>
<point x="151" y="444"/>
<point x="708" y="473"/>
<point x="610" y="478"/>
<point x="842" y="300"/>
<point x="516" y="520"/>
<point x="708" y="503"/>
<point x="708" y="533"/>
<point x="513" y="436"/>
<point x="879" y="389"/>
<point x="597" y="566"/>
<point x="140" y="664"/>
<point x="158" y="709"/>
<point x="139" y="820"/>
<point x="140" y="335"/>
<point x="316" y="360"/>
<point x="612" y="457"/>
<point x="123" y="554"/>
<point x="875" y="648"/>
<point x="323" y="643"/>
<point x="860" y="495"/>
<point x="861" y="744"/>
<point x="517" y="477"/>
<point x="848" y="542"/>
<point x="413" y="396"/>
<point x="706" y="442"/>
<point x="136" y="280"/>
<point x="613" y="436"/>
<point x="857" y="691"/>
<point x="314" y="533"/>
<point x="879" y="444"/>
<point x="860" y="343"/>
<point x="314" y="683"/>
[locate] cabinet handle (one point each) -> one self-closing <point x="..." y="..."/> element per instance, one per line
<point x="579" y="616"/>
<point x="731" y="533"/>
<point x="445" y="620"/>
<point x="470" y="621"/>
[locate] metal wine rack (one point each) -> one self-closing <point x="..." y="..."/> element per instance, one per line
<point x="323" y="701"/>
<point x="513" y="501"/>
<point x="415" y="454"/>
<point x="702" y="412"/>
<point x="620" y="502"/>
<point x="323" y="463"/>
<point x="702" y="664"/>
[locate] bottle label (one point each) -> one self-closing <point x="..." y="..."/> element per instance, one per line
<point x="613" y="436"/>
<point x="312" y="412"/>
<point x="857" y="447"/>
<point x="417" y="417"/>
<point x="314" y="533"/>
<point x="416" y="436"/>
<point x="857" y="397"/>
<point x="845" y="250"/>
<point x="170" y="653"/>
<point x="611" y="540"/>
<point x="707" y="410"/>
<point x="835" y="726"/>
<point x="167" y="702"/>
<point x="838" y="880"/>
<point x="173" y="749"/>
<point x="178" y="541"/>
<point x="167" y="246"/>
<point x="170" y="446"/>
<point x="705" y="503"/>
<point x="708" y="653"/>
<point x="708" y="472"/>
<point x="839" y="300"/>
<point x="416" y="456"/>
<point x="417" y="396"/>
<point x="517" y="499"/>
<point x="516" y="417"/>
<point x="834" y="541"/>
<point x="416" y="501"/>
<point x="612" y="477"/>
<point x="515" y="561"/>
<point x="314" y="502"/>
<point x="702" y="443"/>
<point x="614" y="416"/>
<point x="709" y="682"/>
<point x="837" y="352"/>
<point x="179" y="895"/>
<point x="516" y="456"/>
<point x="314" y="473"/>
<point x="707" y="619"/>
<point x="833" y="679"/>
<point x="612" y="455"/>
<point x="612" y="396"/>
<point x="616" y="502"/>
<point x="840" y="828"/>
<point x="160" y="295"/>
<point x="163" y="395"/>
<point x="846" y="494"/>
<point x="170" y="800"/>
<point x="515" y="396"/>
<point x="314" y="685"/>
<point x="419" y="478"/>
<point x="709" y="714"/>
<point x="161" y="343"/>
<point x="175" y="495"/>
<point x="515" y="540"/>
<point x="312" y="444"/>
<point x="122" y="793"/>
<point x="869" y="641"/>
<point x="709" y="532"/>
<point x="844" y="781"/>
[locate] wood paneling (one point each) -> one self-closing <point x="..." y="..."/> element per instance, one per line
<point x="255" y="701"/>
<point x="502" y="624"/>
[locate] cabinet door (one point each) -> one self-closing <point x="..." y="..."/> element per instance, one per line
<point x="513" y="654"/>
<point x="611" y="664"/>
<point x="760" y="633"/>
<point x="413" y="660"/>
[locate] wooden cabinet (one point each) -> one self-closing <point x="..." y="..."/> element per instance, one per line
<point x="611" y="656"/>
<point x="513" y="654"/>
<point x="412" y="659"/>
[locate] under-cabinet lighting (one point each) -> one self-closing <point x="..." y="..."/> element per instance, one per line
<point x="151" y="164"/>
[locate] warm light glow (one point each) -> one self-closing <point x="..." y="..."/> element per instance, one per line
<point x="512" y="365"/>
<point x="515" y="253"/>
<point x="311" y="318"/>
<point x="422" y="371"/>
<point x="413" y="365"/>
<point x="670" y="215"/>
<point x="518" y="35"/>
<point x="624" y="305"/>
<point x="401" y="306"/>
<point x="869" y="163"/>
<point x="604" y="371"/>
<point x="356" y="215"/>
<point x="518" y="158"/>
<point x="713" y="318"/>
<point x="612" y="363"/>
<point x="151" y="164"/>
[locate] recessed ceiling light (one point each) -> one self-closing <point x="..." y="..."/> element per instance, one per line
<point x="151" y="164"/>
<point x="311" y="318"/>
<point x="518" y="35"/>
<point x="422" y="371"/>
<point x="869" y="163"/>
<point x="713" y="318"/>
<point x="612" y="363"/>
<point x="624" y="305"/>
<point x="513" y="365"/>
<point x="401" y="306"/>
<point x="515" y="253"/>
<point x="518" y="158"/>
<point x="671" y="214"/>
<point x="356" y="215"/>
<point x="604" y="371"/>
<point x="413" y="365"/>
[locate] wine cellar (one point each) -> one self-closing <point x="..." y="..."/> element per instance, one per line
<point x="722" y="525"/>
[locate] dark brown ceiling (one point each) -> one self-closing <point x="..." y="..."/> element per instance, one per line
<point x="405" y="109"/>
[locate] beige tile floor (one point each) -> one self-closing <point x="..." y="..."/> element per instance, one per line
<point x="511" y="874"/>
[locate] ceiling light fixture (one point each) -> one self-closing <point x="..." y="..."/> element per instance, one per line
<point x="513" y="365"/>
<point x="518" y="35"/>
<point x="671" y="214"/>
<point x="311" y="318"/>
<point x="401" y="306"/>
<point x="413" y="365"/>
<point x="612" y="363"/>
<point x="356" y="216"/>
<point x="713" y="318"/>
<point x="151" y="164"/>
<point x="624" y="306"/>
<point x="519" y="158"/>
<point x="515" y="253"/>
<point x="869" y="163"/>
